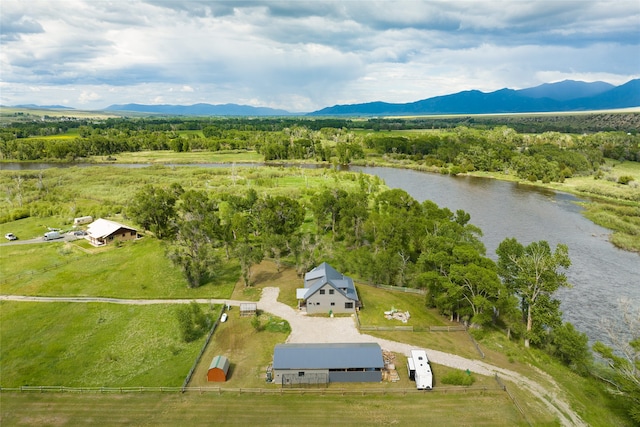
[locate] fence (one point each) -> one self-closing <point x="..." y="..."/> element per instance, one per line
<point x="275" y="390"/>
<point x="457" y="328"/>
<point x="202" y="350"/>
<point x="512" y="397"/>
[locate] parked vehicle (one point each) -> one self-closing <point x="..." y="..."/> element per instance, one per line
<point x="10" y="236"/>
<point x="79" y="233"/>
<point x="52" y="235"/>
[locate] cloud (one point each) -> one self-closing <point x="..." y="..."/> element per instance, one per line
<point x="294" y="54"/>
<point x="86" y="97"/>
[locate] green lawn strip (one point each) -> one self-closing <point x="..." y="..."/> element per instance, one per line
<point x="92" y="345"/>
<point x="478" y="409"/>
<point x="136" y="269"/>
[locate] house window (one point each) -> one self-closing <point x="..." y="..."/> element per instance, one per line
<point x="348" y="305"/>
<point x="301" y="374"/>
<point x="332" y="304"/>
<point x="331" y="291"/>
<point x="321" y="291"/>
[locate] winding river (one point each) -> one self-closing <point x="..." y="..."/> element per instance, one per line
<point x="600" y="273"/>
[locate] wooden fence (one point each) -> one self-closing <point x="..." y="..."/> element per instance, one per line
<point x="275" y="390"/>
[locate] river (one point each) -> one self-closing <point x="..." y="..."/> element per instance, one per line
<point x="600" y="273"/>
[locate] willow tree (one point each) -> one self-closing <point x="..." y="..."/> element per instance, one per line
<point x="534" y="273"/>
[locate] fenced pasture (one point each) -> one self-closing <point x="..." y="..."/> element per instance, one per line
<point x="291" y="407"/>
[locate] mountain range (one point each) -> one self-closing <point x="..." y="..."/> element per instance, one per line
<point x="568" y="95"/>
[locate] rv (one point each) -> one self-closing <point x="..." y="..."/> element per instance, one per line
<point x="52" y="235"/>
<point x="420" y="370"/>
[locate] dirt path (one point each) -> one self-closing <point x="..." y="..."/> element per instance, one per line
<point x="306" y="329"/>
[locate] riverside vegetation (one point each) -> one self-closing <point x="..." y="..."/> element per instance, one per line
<point x="217" y="225"/>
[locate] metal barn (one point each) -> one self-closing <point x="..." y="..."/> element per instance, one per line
<point x="218" y="369"/>
<point x="303" y="364"/>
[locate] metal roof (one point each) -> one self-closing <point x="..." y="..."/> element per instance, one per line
<point x="101" y="228"/>
<point x="328" y="356"/>
<point x="220" y="362"/>
<point x="325" y="274"/>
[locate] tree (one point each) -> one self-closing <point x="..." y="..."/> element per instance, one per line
<point x="198" y="228"/>
<point x="571" y="347"/>
<point x="623" y="356"/>
<point x="534" y="273"/>
<point x="193" y="322"/>
<point x="278" y="215"/>
<point x="154" y="209"/>
<point x="248" y="256"/>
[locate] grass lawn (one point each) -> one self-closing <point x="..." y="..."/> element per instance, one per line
<point x="92" y="344"/>
<point x="137" y="269"/>
<point x="249" y="351"/>
<point x="438" y="409"/>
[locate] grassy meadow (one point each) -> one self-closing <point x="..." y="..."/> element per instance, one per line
<point x="93" y="345"/>
<point x="478" y="409"/>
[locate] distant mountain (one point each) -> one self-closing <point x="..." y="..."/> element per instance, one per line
<point x="566" y="90"/>
<point x="44" y="107"/>
<point x="556" y="97"/>
<point x="199" y="110"/>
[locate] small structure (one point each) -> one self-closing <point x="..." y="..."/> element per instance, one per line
<point x="305" y="364"/>
<point x="102" y="231"/>
<point x="218" y="369"/>
<point x="328" y="291"/>
<point x="248" y="309"/>
<point x="82" y="220"/>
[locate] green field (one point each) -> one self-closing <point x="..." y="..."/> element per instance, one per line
<point x="92" y="344"/>
<point x="137" y="269"/>
<point x="477" y="409"/>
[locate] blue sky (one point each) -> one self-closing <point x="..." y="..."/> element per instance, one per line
<point x="304" y="55"/>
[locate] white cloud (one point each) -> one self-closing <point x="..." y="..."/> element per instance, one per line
<point x="306" y="55"/>
<point x="87" y="97"/>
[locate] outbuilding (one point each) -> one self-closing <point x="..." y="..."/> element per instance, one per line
<point x="304" y="364"/>
<point x="248" y="309"/>
<point x="218" y="369"/>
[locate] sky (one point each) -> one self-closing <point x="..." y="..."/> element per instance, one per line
<point x="304" y="55"/>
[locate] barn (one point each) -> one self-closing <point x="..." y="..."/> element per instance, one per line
<point x="303" y="364"/>
<point x="218" y="369"/>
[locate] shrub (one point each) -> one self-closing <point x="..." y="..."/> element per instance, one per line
<point x="458" y="377"/>
<point x="625" y="179"/>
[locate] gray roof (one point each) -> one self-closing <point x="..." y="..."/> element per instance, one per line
<point x="325" y="274"/>
<point x="327" y="356"/>
<point x="220" y="362"/>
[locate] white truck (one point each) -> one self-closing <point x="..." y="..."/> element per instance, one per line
<point x="420" y="370"/>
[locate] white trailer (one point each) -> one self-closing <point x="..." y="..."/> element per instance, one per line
<point x="422" y="370"/>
